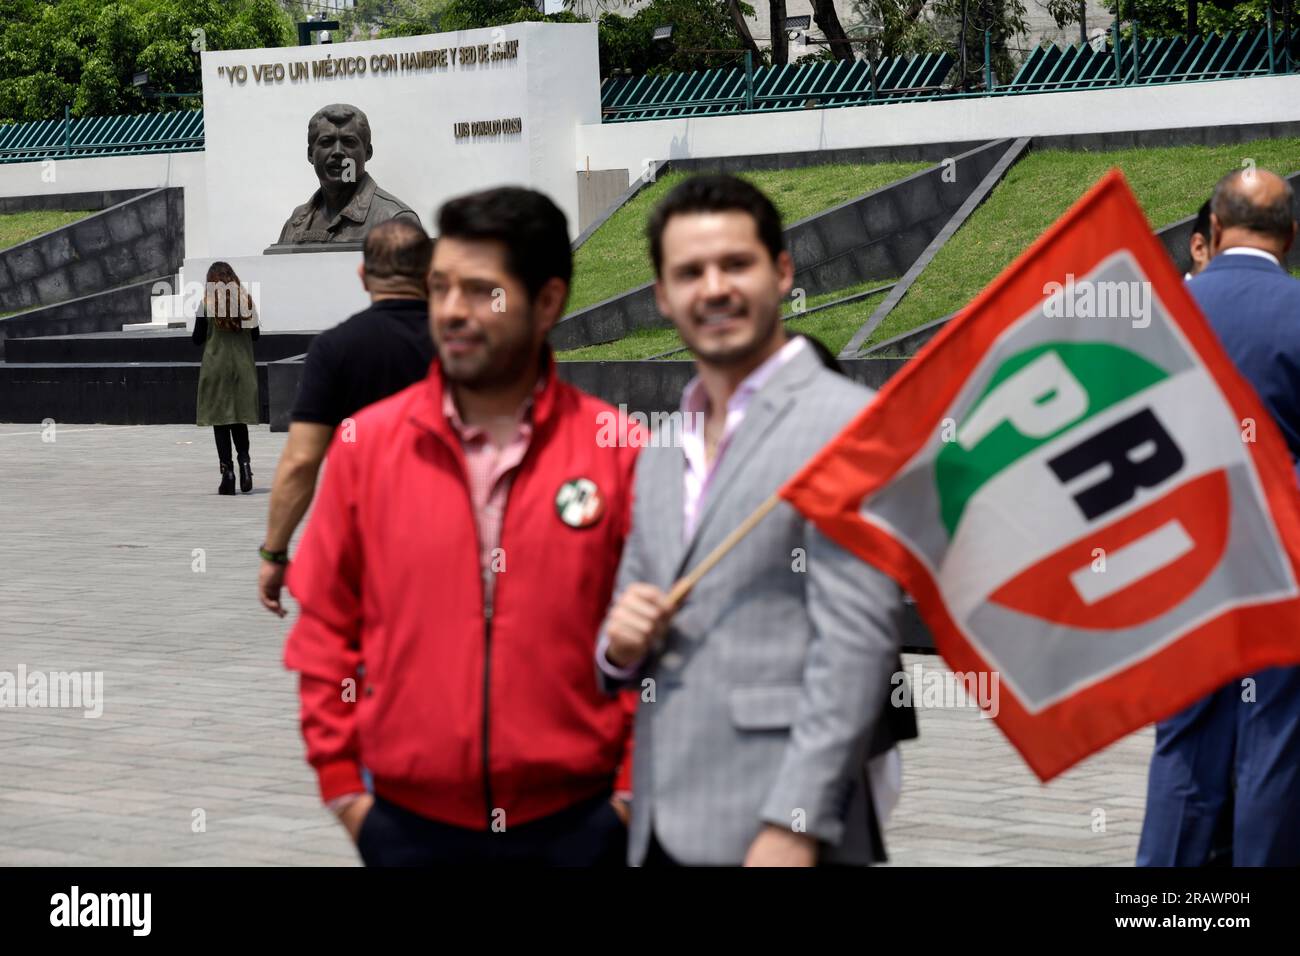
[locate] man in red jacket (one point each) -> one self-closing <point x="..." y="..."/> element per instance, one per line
<point x="456" y="570"/>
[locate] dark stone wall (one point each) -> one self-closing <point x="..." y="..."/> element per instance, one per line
<point x="282" y="380"/>
<point x="147" y="346"/>
<point x="139" y="239"/>
<point x="1183" y="136"/>
<point x="68" y="202"/>
<point x="102" y="312"/>
<point x="109" y="394"/>
<point x="919" y="153"/>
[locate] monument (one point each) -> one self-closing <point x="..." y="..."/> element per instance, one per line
<point x="349" y="201"/>
<point x="411" y="122"/>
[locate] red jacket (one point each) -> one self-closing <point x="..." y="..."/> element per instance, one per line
<point x="455" y="715"/>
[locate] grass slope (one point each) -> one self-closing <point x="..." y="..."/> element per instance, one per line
<point x="18" y="227"/>
<point x="617" y="257"/>
<point x="1170" y="183"/>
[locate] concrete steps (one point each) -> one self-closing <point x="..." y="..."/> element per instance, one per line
<point x="161" y="345"/>
<point x="120" y="378"/>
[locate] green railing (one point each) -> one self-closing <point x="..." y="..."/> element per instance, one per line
<point x="129" y="135"/>
<point x="772" y="88"/>
<point x="1151" y="60"/>
<point x="1125" y="61"/>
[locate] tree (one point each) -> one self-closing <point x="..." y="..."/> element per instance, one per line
<point x="900" y="28"/>
<point x="473" y="14"/>
<point x="1186" y="18"/>
<point x="742" y="28"/>
<point x="390" y="18"/>
<point x="828" y="20"/>
<point x="626" y="43"/>
<point x="84" y="53"/>
<point x="913" y="27"/>
<point x="780" y="44"/>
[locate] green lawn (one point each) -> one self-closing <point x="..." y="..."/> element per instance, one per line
<point x="1170" y="183"/>
<point x="18" y="227"/>
<point x="834" y="327"/>
<point x="617" y="257"/>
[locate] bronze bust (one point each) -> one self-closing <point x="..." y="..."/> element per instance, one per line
<point x="349" y="201"/>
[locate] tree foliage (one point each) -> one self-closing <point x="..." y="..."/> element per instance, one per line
<point x="704" y="35"/>
<point x="1169" y="17"/>
<point x="84" y="53"/>
<point x="912" y="27"/>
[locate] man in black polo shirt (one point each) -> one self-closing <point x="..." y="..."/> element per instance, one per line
<point x="372" y="355"/>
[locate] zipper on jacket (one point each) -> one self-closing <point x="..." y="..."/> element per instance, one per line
<point x="489" y="599"/>
<point x="488" y="603"/>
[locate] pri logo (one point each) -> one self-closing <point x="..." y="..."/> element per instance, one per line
<point x="579" y="503"/>
<point x="1074" y="439"/>
<point x="1056" y="395"/>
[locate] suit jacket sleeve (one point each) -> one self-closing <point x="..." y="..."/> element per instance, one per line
<point x="631" y="569"/>
<point x="628" y="698"/>
<point x="856" y="617"/>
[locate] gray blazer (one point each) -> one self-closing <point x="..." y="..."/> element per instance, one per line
<point x="772" y="688"/>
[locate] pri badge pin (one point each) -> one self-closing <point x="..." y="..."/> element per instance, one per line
<point x="579" y="503"/>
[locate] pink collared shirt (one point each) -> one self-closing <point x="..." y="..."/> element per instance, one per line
<point x="490" y="471"/>
<point x="699" y="472"/>
<point x="695" y="405"/>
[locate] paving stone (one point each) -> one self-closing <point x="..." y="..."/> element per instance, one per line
<point x="199" y="712"/>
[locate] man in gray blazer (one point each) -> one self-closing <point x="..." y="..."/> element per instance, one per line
<point x="767" y="692"/>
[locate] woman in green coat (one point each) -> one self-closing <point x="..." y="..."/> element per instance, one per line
<point x="226" y="327"/>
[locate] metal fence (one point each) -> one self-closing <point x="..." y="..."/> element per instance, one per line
<point x="772" y="88"/>
<point x="128" y="135"/>
<point x="1123" y="61"/>
<point x="1150" y="60"/>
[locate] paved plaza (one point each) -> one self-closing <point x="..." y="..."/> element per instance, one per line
<point x="118" y="556"/>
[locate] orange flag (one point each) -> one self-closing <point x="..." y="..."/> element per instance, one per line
<point x="1080" y="491"/>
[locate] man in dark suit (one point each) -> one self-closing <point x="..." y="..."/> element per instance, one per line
<point x="1225" y="776"/>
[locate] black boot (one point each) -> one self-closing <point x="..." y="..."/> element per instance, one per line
<point x="227" y="479"/>
<point x="245" y="476"/>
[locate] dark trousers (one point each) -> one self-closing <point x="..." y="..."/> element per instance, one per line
<point x="656" y="856"/>
<point x="587" y="834"/>
<point x="1225" y="779"/>
<point x="223" y="434"/>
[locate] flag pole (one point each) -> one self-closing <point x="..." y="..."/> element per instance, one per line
<point x="685" y="584"/>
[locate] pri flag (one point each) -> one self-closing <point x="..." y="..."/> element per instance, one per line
<point x="1079" y="490"/>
